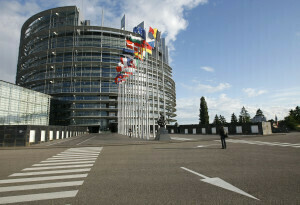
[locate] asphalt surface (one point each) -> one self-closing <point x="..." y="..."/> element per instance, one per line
<point x="133" y="171"/>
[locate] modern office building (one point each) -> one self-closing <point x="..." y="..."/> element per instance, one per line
<point x="62" y="55"/>
<point x="21" y="106"/>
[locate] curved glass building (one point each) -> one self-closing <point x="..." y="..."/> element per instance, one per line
<point x="64" y="56"/>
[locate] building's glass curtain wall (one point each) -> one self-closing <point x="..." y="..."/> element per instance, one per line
<point x="64" y="56"/>
<point x="21" y="106"/>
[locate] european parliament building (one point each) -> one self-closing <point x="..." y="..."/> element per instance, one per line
<point x="62" y="55"/>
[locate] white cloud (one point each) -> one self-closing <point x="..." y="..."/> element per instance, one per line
<point x="166" y="15"/>
<point x="188" y="109"/>
<point x="208" y="69"/>
<point x="253" y="93"/>
<point x="197" y="87"/>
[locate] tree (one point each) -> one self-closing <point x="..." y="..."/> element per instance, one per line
<point x="259" y="113"/>
<point x="204" y="118"/>
<point x="233" y="119"/>
<point x="293" y="119"/>
<point x="216" y="120"/>
<point x="244" y="116"/>
<point x="222" y="120"/>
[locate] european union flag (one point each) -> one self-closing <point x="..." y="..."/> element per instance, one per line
<point x="140" y="31"/>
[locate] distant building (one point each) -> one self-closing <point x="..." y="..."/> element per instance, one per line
<point x="21" y="106"/>
<point x="258" y="118"/>
<point x="62" y="55"/>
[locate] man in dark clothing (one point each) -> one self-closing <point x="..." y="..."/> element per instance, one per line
<point x="223" y="136"/>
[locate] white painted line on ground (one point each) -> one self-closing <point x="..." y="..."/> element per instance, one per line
<point x="87" y="148"/>
<point x="34" y="179"/>
<point x="76" y="155"/>
<point x="220" y="183"/>
<point x="82" y="151"/>
<point x="40" y="186"/>
<point x="68" y="160"/>
<point x="49" y="172"/>
<point x="85" y="140"/>
<point x="62" y="157"/>
<point x="181" y="139"/>
<point x="37" y="197"/>
<point x="58" y="167"/>
<point x="63" y="163"/>
<point x="199" y="146"/>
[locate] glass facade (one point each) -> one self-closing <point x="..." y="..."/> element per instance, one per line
<point x="21" y="106"/>
<point x="65" y="57"/>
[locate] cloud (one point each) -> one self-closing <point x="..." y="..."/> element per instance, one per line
<point x="188" y="109"/>
<point x="197" y="87"/>
<point x="208" y="69"/>
<point x="298" y="33"/>
<point x="169" y="18"/>
<point x="253" y="93"/>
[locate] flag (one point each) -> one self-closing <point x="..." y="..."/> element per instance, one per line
<point x="130" y="45"/>
<point x="147" y="47"/>
<point x="150" y="33"/>
<point x="135" y="39"/>
<point x="128" y="51"/>
<point x="119" y="78"/>
<point x="127" y="62"/>
<point x="151" y="43"/>
<point x="154" y="33"/>
<point x="140" y="31"/>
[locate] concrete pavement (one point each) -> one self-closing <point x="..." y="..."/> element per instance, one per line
<point x="131" y="171"/>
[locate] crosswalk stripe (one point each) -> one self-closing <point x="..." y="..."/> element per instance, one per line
<point x="63" y="163"/>
<point x="40" y="186"/>
<point x="58" y="167"/>
<point x="34" y="179"/>
<point x="50" y="172"/>
<point x="81" y="151"/>
<point x="78" y="155"/>
<point x="62" y="157"/>
<point x="37" y="197"/>
<point x="67" y="160"/>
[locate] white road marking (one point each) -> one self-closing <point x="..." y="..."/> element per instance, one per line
<point x="37" y="197"/>
<point x="82" y="151"/>
<point x="34" y="179"/>
<point x="220" y="183"/>
<point x="85" y="140"/>
<point x="199" y="146"/>
<point x="76" y="155"/>
<point x="68" y="160"/>
<point x="58" y="167"/>
<point x="49" y="172"/>
<point x="62" y="157"/>
<point x="62" y="163"/>
<point x="281" y="144"/>
<point x="40" y="186"/>
<point x="181" y="139"/>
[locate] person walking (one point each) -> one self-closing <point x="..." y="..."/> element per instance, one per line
<point x="223" y="135"/>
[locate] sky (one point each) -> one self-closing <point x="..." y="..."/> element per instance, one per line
<point x="235" y="53"/>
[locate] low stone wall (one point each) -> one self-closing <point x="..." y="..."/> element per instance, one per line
<point x="25" y="135"/>
<point x="242" y="129"/>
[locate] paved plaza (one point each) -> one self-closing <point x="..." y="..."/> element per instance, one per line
<point x="190" y="169"/>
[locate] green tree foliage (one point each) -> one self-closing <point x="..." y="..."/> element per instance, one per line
<point x="222" y="120"/>
<point x="204" y="118"/>
<point x="259" y="113"/>
<point x="293" y="119"/>
<point x="244" y="116"/>
<point x="233" y="119"/>
<point x="216" y="120"/>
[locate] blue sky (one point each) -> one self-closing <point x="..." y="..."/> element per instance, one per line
<point x="234" y="52"/>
